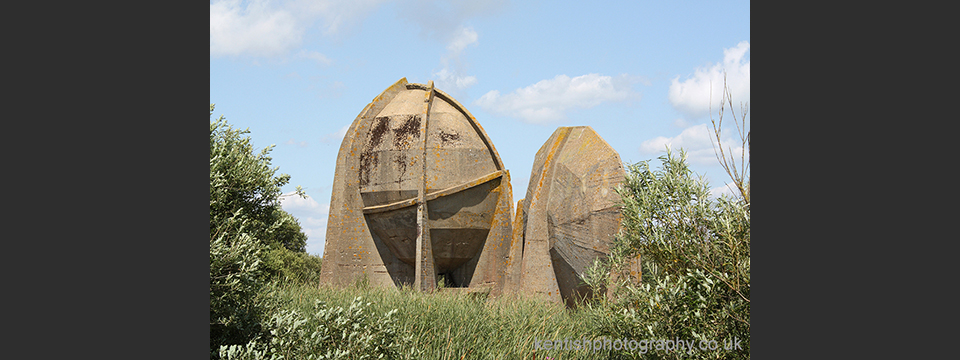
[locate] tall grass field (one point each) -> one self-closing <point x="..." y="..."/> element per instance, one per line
<point x="458" y="325"/>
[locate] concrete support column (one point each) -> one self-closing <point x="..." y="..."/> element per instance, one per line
<point x="426" y="274"/>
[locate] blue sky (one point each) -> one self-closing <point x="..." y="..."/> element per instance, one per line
<point x="643" y="74"/>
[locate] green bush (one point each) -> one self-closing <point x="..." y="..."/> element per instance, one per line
<point x="236" y="280"/>
<point x="695" y="258"/>
<point x="287" y="233"/>
<point x="242" y="183"/>
<point x="329" y="333"/>
<point x="285" y="265"/>
<point x="245" y="219"/>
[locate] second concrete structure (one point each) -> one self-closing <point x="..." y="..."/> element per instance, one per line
<point x="569" y="216"/>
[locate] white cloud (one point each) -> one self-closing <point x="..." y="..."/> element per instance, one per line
<point x="447" y="79"/>
<point x="256" y="29"/>
<point x="696" y="136"/>
<point x="466" y="36"/>
<point x="294" y="142"/>
<point x="696" y="142"/>
<point x="312" y="217"/>
<point x="292" y="202"/>
<point x="451" y="77"/>
<point x="695" y="96"/>
<point x="681" y="122"/>
<point x="446" y="22"/>
<point x="727" y="189"/>
<point x="338" y="135"/>
<point x="442" y="20"/>
<point x="335" y="17"/>
<point x="549" y="100"/>
<point x="270" y="28"/>
<point x="276" y="27"/>
<point x="318" y="57"/>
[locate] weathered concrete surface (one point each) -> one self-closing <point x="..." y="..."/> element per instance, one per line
<point x="569" y="216"/>
<point x="419" y="193"/>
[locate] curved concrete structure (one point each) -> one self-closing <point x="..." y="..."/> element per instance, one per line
<point x="569" y="216"/>
<point x="419" y="194"/>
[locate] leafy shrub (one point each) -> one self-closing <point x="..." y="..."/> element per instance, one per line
<point x="695" y="258"/>
<point x="287" y="232"/>
<point x="285" y="265"/>
<point x="242" y="183"/>
<point x="244" y="218"/>
<point x="338" y="333"/>
<point x="236" y="281"/>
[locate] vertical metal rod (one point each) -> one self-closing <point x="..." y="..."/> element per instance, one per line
<point x="426" y="275"/>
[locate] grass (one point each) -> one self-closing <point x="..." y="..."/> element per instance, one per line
<point x="454" y="325"/>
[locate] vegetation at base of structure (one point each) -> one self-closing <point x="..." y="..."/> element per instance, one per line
<point x="252" y="240"/>
<point x="695" y="261"/>
<point x="694" y="254"/>
<point x="414" y="325"/>
<point x="325" y="332"/>
<point x="286" y="265"/>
